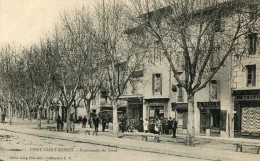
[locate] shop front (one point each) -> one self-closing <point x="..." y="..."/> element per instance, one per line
<point x="134" y="110"/>
<point x="247" y="113"/>
<point x="181" y="115"/>
<point x="210" y="118"/>
<point x="157" y="108"/>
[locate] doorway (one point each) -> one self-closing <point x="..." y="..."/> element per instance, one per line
<point x="203" y="121"/>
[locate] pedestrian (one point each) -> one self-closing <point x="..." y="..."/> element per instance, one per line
<point x="140" y="125"/>
<point x="158" y="126"/>
<point x="146" y="125"/>
<point x="90" y="121"/>
<point x="58" y="123"/>
<point x="84" y="122"/>
<point x="80" y="120"/>
<point x="163" y="125"/>
<point x="61" y="124"/>
<point x="3" y="117"/>
<point x="104" y="123"/>
<point x="96" y="123"/>
<point x="72" y="125"/>
<point x="170" y="125"/>
<point x="174" y="128"/>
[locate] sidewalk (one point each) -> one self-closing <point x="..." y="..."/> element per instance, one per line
<point x="167" y="146"/>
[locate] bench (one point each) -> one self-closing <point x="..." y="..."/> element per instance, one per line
<point x="250" y="134"/>
<point x="91" y="130"/>
<point x="154" y="136"/>
<point x="54" y="128"/>
<point x="145" y="136"/>
<point x="240" y="145"/>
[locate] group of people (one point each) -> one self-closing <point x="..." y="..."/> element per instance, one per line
<point x="153" y="125"/>
<point x="92" y="121"/>
<point x="95" y="121"/>
<point x="160" y="126"/>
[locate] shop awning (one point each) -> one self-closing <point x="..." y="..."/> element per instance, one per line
<point x="208" y="105"/>
<point x="161" y="99"/>
<point x="246" y="94"/>
<point x="156" y="97"/>
<point x="131" y="97"/>
<point x="108" y="106"/>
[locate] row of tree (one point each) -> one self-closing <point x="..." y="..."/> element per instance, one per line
<point x="83" y="54"/>
<point x="88" y="52"/>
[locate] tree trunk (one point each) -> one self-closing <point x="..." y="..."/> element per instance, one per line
<point x="190" y="138"/>
<point x="87" y="106"/>
<point x="10" y="111"/>
<point x="17" y="110"/>
<point x="48" y="115"/>
<point x="115" y="121"/>
<point x="68" y="119"/>
<point x="28" y="111"/>
<point x="38" y="118"/>
<point x="1" y="111"/>
<point x="23" y="111"/>
<point x="76" y="113"/>
<point x="56" y="108"/>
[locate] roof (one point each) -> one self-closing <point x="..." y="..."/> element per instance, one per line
<point x="155" y="14"/>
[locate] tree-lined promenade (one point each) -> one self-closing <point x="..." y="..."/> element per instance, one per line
<point x="99" y="51"/>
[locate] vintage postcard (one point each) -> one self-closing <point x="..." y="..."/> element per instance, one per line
<point x="132" y="80"/>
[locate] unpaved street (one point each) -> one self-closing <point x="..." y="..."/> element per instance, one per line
<point x="14" y="146"/>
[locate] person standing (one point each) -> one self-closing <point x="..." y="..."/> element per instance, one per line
<point x="90" y="121"/>
<point x="84" y="122"/>
<point x="170" y="125"/>
<point x="159" y="126"/>
<point x="146" y="124"/>
<point x="3" y="117"/>
<point x="174" y="128"/>
<point x="58" y="123"/>
<point x="140" y="125"/>
<point x="163" y="125"/>
<point x="104" y="123"/>
<point x="72" y="125"/>
<point x="96" y="123"/>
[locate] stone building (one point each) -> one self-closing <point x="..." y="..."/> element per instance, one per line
<point x="228" y="106"/>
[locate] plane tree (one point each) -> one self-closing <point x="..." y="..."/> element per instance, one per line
<point x="196" y="38"/>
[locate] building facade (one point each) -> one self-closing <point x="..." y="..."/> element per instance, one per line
<point x="228" y="106"/>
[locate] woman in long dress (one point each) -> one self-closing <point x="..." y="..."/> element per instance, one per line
<point x="146" y="123"/>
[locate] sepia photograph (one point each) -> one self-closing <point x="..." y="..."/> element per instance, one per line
<point x="129" y="80"/>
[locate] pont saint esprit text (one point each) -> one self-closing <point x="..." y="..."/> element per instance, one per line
<point x="53" y="149"/>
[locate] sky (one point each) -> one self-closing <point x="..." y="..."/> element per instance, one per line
<point x="23" y="22"/>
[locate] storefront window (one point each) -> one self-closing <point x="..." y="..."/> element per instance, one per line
<point x="182" y="118"/>
<point x="156" y="111"/>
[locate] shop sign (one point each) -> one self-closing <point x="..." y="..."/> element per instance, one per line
<point x="248" y="97"/>
<point x="208" y="105"/>
<point x="179" y="106"/>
